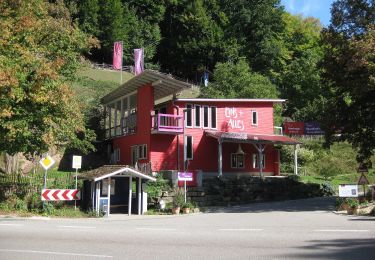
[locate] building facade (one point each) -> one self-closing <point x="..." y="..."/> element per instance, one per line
<point x="147" y="123"/>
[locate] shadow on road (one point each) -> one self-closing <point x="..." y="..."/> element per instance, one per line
<point x="314" y="204"/>
<point x="337" y="249"/>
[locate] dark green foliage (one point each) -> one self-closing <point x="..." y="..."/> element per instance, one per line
<point x="192" y="37"/>
<point x="155" y="189"/>
<point x="349" y="68"/>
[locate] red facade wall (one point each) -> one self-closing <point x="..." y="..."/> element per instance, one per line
<point x="231" y="117"/>
<point x="145" y="104"/>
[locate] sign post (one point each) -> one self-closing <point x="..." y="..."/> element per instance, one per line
<point x="46" y="163"/>
<point x="363" y="181"/>
<point x="77" y="162"/>
<point x="185" y="176"/>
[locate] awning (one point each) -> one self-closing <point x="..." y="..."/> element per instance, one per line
<point x="112" y="170"/>
<point x="251" y="138"/>
<point x="164" y="85"/>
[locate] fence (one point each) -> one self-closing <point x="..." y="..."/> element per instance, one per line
<point x="23" y="184"/>
<point x="105" y="66"/>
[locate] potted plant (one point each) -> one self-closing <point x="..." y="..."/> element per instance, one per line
<point x="352" y="206"/>
<point x="178" y="201"/>
<point x="186" y="207"/>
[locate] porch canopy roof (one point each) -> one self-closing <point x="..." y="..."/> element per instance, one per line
<point x="251" y="138"/>
<point x="112" y="170"/>
<point x="164" y="85"/>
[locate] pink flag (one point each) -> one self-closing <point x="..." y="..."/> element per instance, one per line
<point x="117" y="55"/>
<point x="138" y="60"/>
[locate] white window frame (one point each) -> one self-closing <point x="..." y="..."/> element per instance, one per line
<point x="236" y="166"/>
<point x="191" y="111"/>
<point x="143" y="149"/>
<point x="208" y="117"/>
<point x="185" y="147"/>
<point x="252" y="117"/>
<point x="195" y="116"/>
<point x="255" y="161"/>
<point x="210" y="123"/>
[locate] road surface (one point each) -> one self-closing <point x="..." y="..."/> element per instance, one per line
<point x="301" y="229"/>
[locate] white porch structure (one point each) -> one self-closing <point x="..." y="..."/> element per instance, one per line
<point x="104" y="175"/>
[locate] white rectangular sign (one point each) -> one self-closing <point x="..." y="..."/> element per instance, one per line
<point x="77" y="162"/>
<point x="348" y="190"/>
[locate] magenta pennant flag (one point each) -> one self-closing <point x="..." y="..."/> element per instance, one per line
<point x="138" y="61"/>
<point x="117" y="55"/>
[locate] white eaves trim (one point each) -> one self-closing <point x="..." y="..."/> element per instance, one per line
<point x="231" y="100"/>
<point x="126" y="170"/>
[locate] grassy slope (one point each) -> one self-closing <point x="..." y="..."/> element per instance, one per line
<point x="93" y="84"/>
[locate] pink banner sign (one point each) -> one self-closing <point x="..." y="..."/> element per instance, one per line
<point x="185" y="176"/>
<point x="117" y="55"/>
<point x="138" y="61"/>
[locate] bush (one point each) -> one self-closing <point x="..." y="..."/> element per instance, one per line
<point x="352" y="202"/>
<point x="327" y="189"/>
<point x="34" y="202"/>
<point x="154" y="189"/>
<point x="178" y="198"/>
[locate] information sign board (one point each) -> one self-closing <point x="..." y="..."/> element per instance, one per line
<point x="348" y="190"/>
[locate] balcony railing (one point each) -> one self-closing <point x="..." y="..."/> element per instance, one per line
<point x="167" y="124"/>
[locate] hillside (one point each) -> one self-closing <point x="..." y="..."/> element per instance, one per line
<point x="92" y="84"/>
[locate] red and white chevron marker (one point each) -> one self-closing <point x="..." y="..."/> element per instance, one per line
<point x="57" y="195"/>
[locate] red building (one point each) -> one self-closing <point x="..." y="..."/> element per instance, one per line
<point x="148" y="123"/>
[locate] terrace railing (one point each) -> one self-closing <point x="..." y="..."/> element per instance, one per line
<point x="168" y="123"/>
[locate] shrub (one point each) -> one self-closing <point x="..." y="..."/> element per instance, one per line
<point x="327" y="189"/>
<point x="155" y="189"/>
<point x="20" y="205"/>
<point x="34" y="202"/>
<point x="179" y="198"/>
<point x="352" y="202"/>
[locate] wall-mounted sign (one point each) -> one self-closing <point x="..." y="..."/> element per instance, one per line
<point x="294" y="128"/>
<point x="348" y="190"/>
<point x="235" y="118"/>
<point x="313" y="128"/>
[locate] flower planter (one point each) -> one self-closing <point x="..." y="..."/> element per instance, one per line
<point x="352" y="211"/>
<point x="186" y="210"/>
<point x="176" y="211"/>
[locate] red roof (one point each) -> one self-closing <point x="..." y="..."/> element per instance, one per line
<point x="251" y="138"/>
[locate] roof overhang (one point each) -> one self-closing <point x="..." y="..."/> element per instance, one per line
<point x="231" y="100"/>
<point x="114" y="170"/>
<point x="164" y="85"/>
<point x="232" y="137"/>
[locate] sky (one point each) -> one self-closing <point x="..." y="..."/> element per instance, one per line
<point x="316" y="8"/>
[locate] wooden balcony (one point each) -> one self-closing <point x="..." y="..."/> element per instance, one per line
<point x="167" y="124"/>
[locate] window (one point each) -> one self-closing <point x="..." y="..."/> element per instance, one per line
<point x="197" y="116"/>
<point x="117" y="155"/>
<point x="188" y="148"/>
<point x="189" y="111"/>
<point x="254" y="117"/>
<point x="237" y="160"/>
<point x="205" y="116"/>
<point x="256" y="161"/>
<point x="142" y="151"/>
<point x="134" y="153"/>
<point x="213" y="117"/>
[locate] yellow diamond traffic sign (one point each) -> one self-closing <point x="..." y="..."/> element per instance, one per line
<point x="47" y="162"/>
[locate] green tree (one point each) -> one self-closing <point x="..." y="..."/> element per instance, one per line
<point x="89" y="16"/>
<point x="39" y="52"/>
<point x="257" y="27"/>
<point x="299" y="77"/>
<point x="349" y="69"/>
<point x="192" y="37"/>
<point x="236" y="80"/>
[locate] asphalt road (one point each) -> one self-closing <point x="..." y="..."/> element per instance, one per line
<point x="303" y="229"/>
